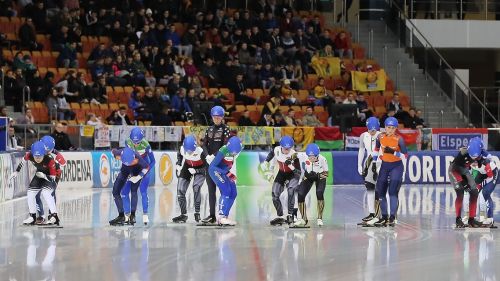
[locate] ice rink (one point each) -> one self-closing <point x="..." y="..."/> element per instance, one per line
<point x="423" y="246"/>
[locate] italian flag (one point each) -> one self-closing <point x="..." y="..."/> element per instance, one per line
<point x="329" y="138"/>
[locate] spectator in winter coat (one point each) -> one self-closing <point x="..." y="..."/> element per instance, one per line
<point x="68" y="56"/>
<point x="61" y="138"/>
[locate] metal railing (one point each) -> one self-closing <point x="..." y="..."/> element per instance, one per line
<point x="490" y="97"/>
<point x="436" y="67"/>
<point x="452" y="9"/>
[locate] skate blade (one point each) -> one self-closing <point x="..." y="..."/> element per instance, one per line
<point x="206" y="224"/>
<point x="300" y="227"/>
<point x="50" y="226"/>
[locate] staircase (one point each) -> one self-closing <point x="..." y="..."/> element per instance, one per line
<point x="437" y="100"/>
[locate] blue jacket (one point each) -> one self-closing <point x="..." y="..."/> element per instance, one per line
<point x="177" y="104"/>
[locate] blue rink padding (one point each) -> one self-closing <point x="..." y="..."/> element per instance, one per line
<point x="422" y="167"/>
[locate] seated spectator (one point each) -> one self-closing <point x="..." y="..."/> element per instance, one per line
<point x="180" y="105"/>
<point x="68" y="56"/>
<point x="119" y="117"/>
<point x="343" y="45"/>
<point x="98" y="91"/>
<point x="245" y="119"/>
<point x="309" y="119"/>
<point x="350" y="99"/>
<point x="163" y="118"/>
<point x="61" y="138"/>
<point x="27" y="119"/>
<point x="279" y="121"/>
<point x="151" y="104"/>
<point x="135" y="103"/>
<point x="35" y="82"/>
<point x="13" y="141"/>
<point x="327" y="51"/>
<point x="240" y="91"/>
<point x="272" y="106"/>
<point x="288" y="94"/>
<point x="322" y="96"/>
<point x="419" y="115"/>
<point x="52" y="105"/>
<point x="27" y="36"/>
<point x="209" y="71"/>
<point x="64" y="111"/>
<point x="413" y="121"/>
<point x="396" y="106"/>
<point x="291" y="120"/>
<point x="266" y="77"/>
<point x="24" y="63"/>
<point x="363" y="109"/>
<point x="93" y="120"/>
<point x="266" y="121"/>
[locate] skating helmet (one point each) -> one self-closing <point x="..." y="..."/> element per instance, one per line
<point x="234" y="145"/>
<point x="372" y="123"/>
<point x="287" y="142"/>
<point x="391" y="121"/>
<point x="189" y="143"/>
<point x="38" y="149"/>
<point x="477" y="140"/>
<point x="474" y="149"/>
<point x="49" y="143"/>
<point x="312" y="149"/>
<point x="128" y="156"/>
<point x="217" y="111"/>
<point x="136" y="135"/>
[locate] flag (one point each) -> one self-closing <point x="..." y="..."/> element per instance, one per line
<point x="326" y="66"/>
<point x="410" y="136"/>
<point x="352" y="139"/>
<point x="301" y="135"/>
<point x="329" y="138"/>
<point x="368" y="81"/>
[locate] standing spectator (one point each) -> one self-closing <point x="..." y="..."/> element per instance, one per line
<point x="61" y="138"/>
<point x="64" y="111"/>
<point x="35" y="82"/>
<point x="272" y="106"/>
<point x="151" y="104"/>
<point x="343" y="45"/>
<point x="27" y="36"/>
<point x="245" y="119"/>
<point x="309" y="119"/>
<point x="59" y="38"/>
<point x="98" y="91"/>
<point x="13" y="141"/>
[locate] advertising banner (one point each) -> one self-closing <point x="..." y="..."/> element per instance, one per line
<point x="453" y="139"/>
<point x="77" y="173"/>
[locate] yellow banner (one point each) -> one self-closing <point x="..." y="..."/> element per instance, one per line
<point x="87" y="131"/>
<point x="301" y="135"/>
<point x="326" y="66"/>
<point x="368" y="81"/>
<point x="248" y="135"/>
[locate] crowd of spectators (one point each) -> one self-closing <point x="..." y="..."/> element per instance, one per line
<point x="172" y="51"/>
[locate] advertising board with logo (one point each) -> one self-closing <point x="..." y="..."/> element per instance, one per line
<point x="77" y="173"/>
<point x="453" y="139"/>
<point x="165" y="165"/>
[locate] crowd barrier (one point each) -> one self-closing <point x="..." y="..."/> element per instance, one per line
<point x="98" y="169"/>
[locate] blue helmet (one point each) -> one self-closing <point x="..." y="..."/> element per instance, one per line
<point x="234" y="145"/>
<point x="217" y="111"/>
<point x="287" y="142"/>
<point x="38" y="149"/>
<point x="136" y="135"/>
<point x="477" y="140"/>
<point x="474" y="149"/>
<point x="372" y="123"/>
<point x="391" y="121"/>
<point x="312" y="149"/>
<point x="127" y="156"/>
<point x="49" y="143"/>
<point x="189" y="143"/>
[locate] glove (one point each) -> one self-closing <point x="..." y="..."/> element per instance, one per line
<point x="231" y="176"/>
<point x="311" y="175"/>
<point x="209" y="159"/>
<point x="41" y="175"/>
<point x="323" y="175"/>
<point x="288" y="162"/>
<point x="13" y="176"/>
<point x="178" y="169"/>
<point x="389" y="150"/>
<point x="360" y="171"/>
<point x="135" y="179"/>
<point x="192" y="171"/>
